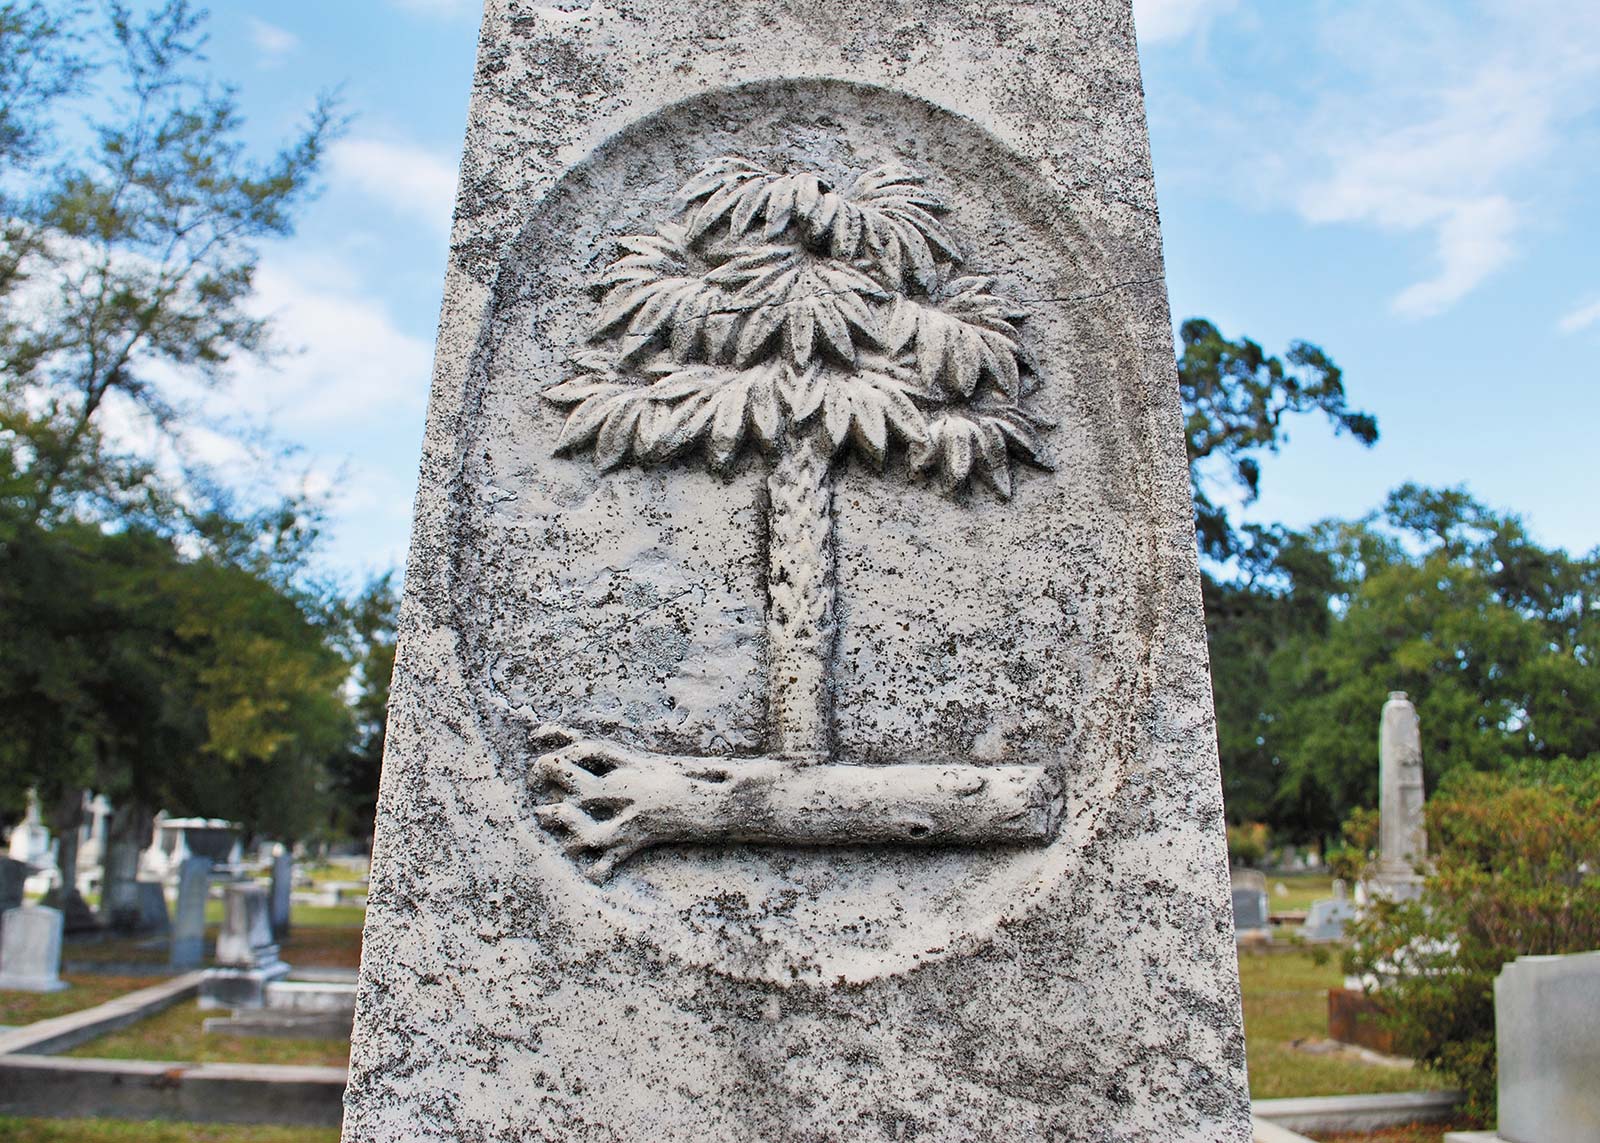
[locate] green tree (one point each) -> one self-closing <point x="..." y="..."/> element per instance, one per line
<point x="354" y="771"/>
<point x="1278" y="596"/>
<point x="1236" y="401"/>
<point x="131" y="260"/>
<point x="1263" y="586"/>
<point x="166" y="681"/>
<point x="1492" y="635"/>
<point x="151" y="640"/>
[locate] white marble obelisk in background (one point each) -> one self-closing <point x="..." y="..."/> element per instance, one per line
<point x="1402" y="830"/>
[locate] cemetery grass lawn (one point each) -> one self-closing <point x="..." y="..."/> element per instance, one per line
<point x="88" y="990"/>
<point x="119" y="950"/>
<point x="177" y="1035"/>
<point x="1286" y="999"/>
<point x="310" y="945"/>
<point x="111" y="1131"/>
<point x="1303" y="888"/>
<point x="326" y="916"/>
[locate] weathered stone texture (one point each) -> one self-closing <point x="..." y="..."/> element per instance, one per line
<point x="1081" y="990"/>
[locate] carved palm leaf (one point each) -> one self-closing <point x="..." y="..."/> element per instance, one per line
<point x="887" y="216"/>
<point x="681" y="408"/>
<point x="981" y="442"/>
<point x="970" y="334"/>
<point x="866" y="407"/>
<point x="814" y="305"/>
<point x="654" y="297"/>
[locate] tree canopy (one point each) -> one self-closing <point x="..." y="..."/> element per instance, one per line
<point x="1492" y="635"/>
<point x="156" y="643"/>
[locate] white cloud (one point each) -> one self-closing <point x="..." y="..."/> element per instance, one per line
<point x="1581" y="317"/>
<point x="348" y="386"/>
<point x="411" y="180"/>
<point x="1430" y="118"/>
<point x="1159" y="20"/>
<point x="273" y="42"/>
<point x="345" y="358"/>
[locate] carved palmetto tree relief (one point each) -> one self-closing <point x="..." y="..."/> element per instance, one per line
<point x="810" y="323"/>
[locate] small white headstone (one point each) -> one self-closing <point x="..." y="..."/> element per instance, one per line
<point x="30" y="950"/>
<point x="1327" y="918"/>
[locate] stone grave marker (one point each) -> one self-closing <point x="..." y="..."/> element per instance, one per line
<point x="30" y="950"/>
<point x="1402" y="828"/>
<point x="1252" y="908"/>
<point x="13" y="876"/>
<point x="282" y="892"/>
<point x="802" y="727"/>
<point x="1326" y="919"/>
<point x="246" y="958"/>
<point x="1547" y="1044"/>
<point x="189" y="924"/>
<point x="153" y="916"/>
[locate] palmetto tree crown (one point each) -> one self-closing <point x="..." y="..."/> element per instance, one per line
<point x="777" y="306"/>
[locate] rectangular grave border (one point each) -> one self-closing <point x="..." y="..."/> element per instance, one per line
<point x="1338" y="1113"/>
<point x="37" y="1083"/>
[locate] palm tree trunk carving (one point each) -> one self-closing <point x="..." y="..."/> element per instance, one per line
<point x="811" y="323"/>
<point x="801" y="629"/>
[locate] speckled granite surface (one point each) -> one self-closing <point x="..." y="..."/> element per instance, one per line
<point x="1079" y="985"/>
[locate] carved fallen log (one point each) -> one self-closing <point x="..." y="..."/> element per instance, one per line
<point x="607" y="802"/>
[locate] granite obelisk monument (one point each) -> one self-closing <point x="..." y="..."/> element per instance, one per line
<point x="802" y="728"/>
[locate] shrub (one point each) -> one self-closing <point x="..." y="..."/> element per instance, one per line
<point x="1350" y="859"/>
<point x="1515" y="872"/>
<point x="1247" y="843"/>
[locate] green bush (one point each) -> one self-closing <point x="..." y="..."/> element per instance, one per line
<point x="1247" y="843"/>
<point x="1515" y="872"/>
<point x="1349" y="860"/>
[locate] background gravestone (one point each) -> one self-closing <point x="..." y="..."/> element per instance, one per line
<point x="246" y="957"/>
<point x="1326" y="919"/>
<point x="154" y="918"/>
<point x="802" y="727"/>
<point x="189" y="921"/>
<point x="13" y="878"/>
<point x="1402" y="826"/>
<point x="30" y="950"/>
<point x="282" y="893"/>
<point x="1547" y="1044"/>
<point x="1252" y="908"/>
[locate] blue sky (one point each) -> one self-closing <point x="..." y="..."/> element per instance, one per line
<point x="1410" y="184"/>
